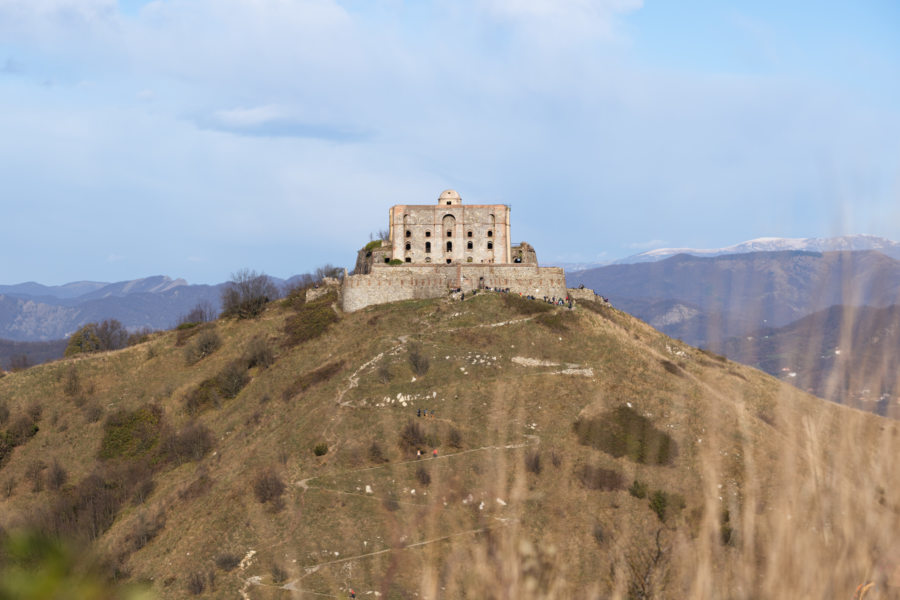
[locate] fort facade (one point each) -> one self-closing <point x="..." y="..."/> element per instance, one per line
<point x="438" y="248"/>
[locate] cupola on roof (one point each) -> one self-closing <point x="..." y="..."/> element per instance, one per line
<point x="449" y="197"/>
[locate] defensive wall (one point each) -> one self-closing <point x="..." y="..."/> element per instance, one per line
<point x="387" y="283"/>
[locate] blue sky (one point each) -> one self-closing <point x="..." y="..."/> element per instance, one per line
<point x="196" y="137"/>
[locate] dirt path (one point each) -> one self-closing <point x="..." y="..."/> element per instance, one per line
<point x="293" y="586"/>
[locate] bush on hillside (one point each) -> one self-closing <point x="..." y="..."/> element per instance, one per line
<point x="203" y="312"/>
<point x="320" y="449"/>
<point x="130" y="434"/>
<point x="258" y="353"/>
<point x="533" y="461"/>
<point x="624" y="432"/>
<point x="191" y="442"/>
<point x="246" y="295"/>
<point x="207" y="342"/>
<point x="227" y="562"/>
<point x="638" y="489"/>
<point x="423" y="476"/>
<point x="598" y="478"/>
<point x="224" y="386"/>
<point x="139" y="337"/>
<point x="412" y="437"/>
<point x="56" y="476"/>
<point x="376" y="454"/>
<point x="418" y="360"/>
<point x="96" y="337"/>
<point x="268" y="487"/>
<point x="311" y="320"/>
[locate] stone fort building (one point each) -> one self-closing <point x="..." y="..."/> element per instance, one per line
<point x="437" y="248"/>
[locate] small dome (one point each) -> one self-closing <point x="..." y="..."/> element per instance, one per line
<point x="449" y="197"/>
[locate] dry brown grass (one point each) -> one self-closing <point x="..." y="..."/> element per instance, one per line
<point x="810" y="488"/>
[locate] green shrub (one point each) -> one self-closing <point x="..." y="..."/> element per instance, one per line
<point x="320" y="449"/>
<point x="638" y="489"/>
<point x="311" y="320"/>
<point x="623" y="432"/>
<point x="395" y="261"/>
<point x="661" y="503"/>
<point x="224" y="386"/>
<point x="372" y="245"/>
<point x="129" y="434"/>
<point x="94" y="337"/>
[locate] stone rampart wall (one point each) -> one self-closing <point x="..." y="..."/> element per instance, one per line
<point x="410" y="282"/>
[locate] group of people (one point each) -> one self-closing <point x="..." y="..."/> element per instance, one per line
<point x="424" y="412"/>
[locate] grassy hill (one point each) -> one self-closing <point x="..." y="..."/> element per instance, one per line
<point x="844" y="353"/>
<point x="579" y="454"/>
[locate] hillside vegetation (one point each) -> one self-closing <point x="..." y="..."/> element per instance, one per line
<point x="579" y="454"/>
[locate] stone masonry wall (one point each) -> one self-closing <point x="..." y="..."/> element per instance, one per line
<point x="410" y="282"/>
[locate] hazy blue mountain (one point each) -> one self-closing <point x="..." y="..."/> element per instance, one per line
<point x="846" y="243"/>
<point x="735" y="294"/>
<point x="843" y="353"/>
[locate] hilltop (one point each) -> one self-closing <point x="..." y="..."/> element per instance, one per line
<point x="577" y="451"/>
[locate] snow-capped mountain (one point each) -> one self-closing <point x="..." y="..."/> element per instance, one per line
<point x="770" y="244"/>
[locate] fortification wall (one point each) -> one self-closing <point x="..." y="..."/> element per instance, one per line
<point x="409" y="282"/>
<point x="582" y="294"/>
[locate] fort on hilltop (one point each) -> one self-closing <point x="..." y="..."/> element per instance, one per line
<point x="434" y="249"/>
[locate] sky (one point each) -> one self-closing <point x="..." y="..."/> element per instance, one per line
<point x="194" y="138"/>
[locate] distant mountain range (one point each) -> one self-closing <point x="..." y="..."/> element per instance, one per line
<point x="33" y="312"/>
<point x="846" y="243"/>
<point x="783" y="311"/>
<point x="843" y="353"/>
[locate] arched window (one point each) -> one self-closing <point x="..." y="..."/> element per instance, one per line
<point x="449" y="246"/>
<point x="408" y="233"/>
<point x="490" y="245"/>
<point x="408" y="246"/>
<point x="448" y="224"/>
<point x="490" y="233"/>
<point x="427" y="234"/>
<point x="470" y="234"/>
<point x="468" y="245"/>
<point x="427" y="246"/>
